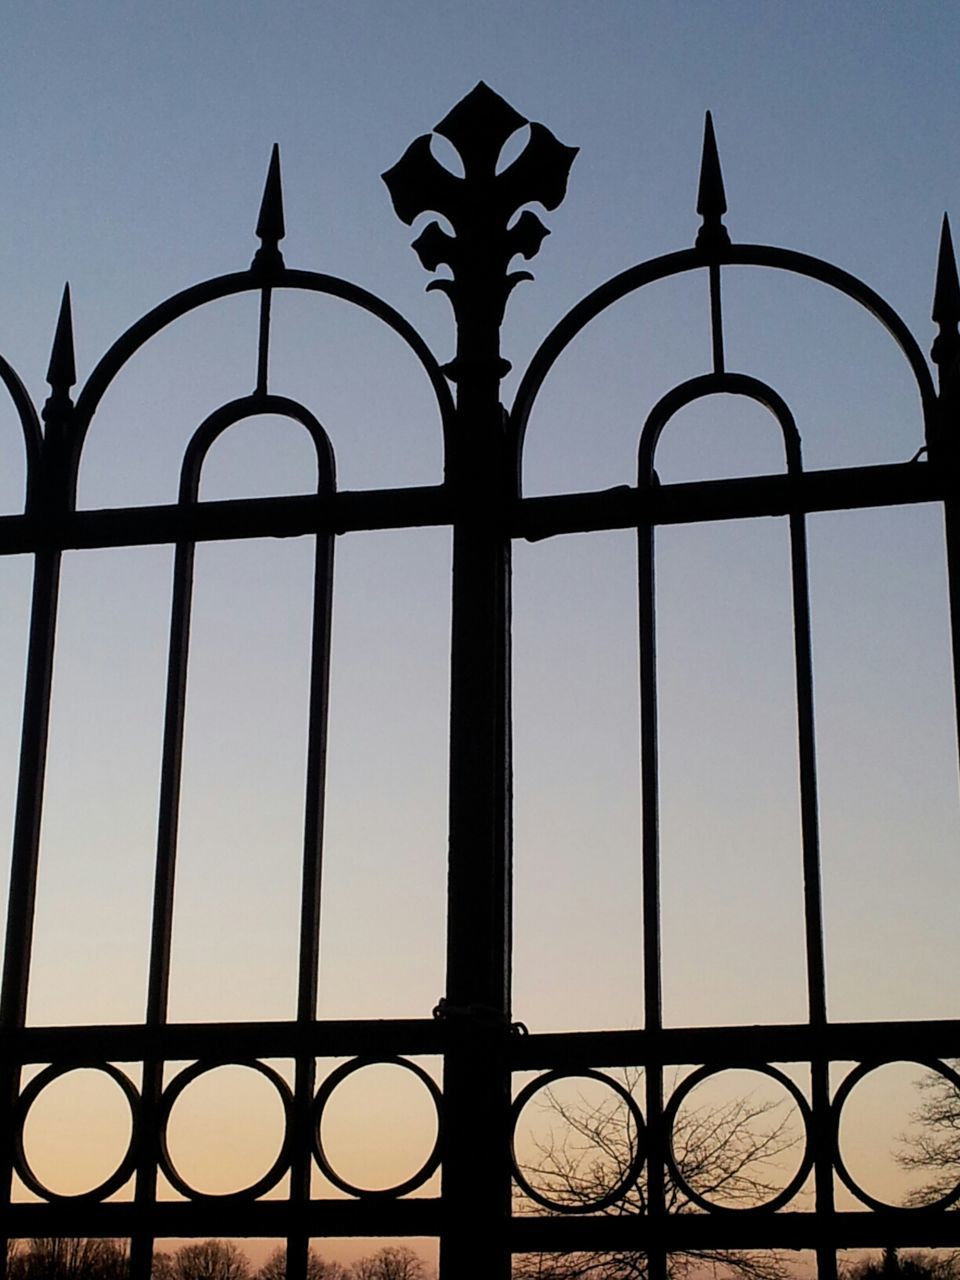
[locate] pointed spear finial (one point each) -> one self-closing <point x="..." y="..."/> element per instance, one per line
<point x="58" y="407"/>
<point x="946" y="294"/>
<point x="62" y="370"/>
<point x="711" y="199"/>
<point x="945" y="351"/>
<point x="270" y="225"/>
<point x="57" y="486"/>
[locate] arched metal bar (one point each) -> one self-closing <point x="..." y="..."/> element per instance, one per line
<point x="29" y="424"/>
<point x="665" y="409"/>
<point x="711" y="384"/>
<point x="227" y="286"/>
<point x="760" y="392"/>
<point x="196" y="452"/>
<point x="235" y="411"/>
<point x="672" y="264"/>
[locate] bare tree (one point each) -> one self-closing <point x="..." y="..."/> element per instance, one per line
<point x="68" y="1258"/>
<point x="934" y="1146"/>
<point x="275" y="1267"/>
<point x="894" y="1265"/>
<point x="205" y="1260"/>
<point x="729" y="1152"/>
<point x="392" y="1263"/>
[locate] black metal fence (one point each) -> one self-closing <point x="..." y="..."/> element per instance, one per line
<point x="481" y="502"/>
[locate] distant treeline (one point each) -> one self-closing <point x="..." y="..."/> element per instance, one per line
<point x="51" y="1258"/>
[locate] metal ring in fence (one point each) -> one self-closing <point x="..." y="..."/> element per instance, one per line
<point x="843" y="1093"/>
<point x="766" y="1206"/>
<point x="335" y="1078"/>
<point x="280" y="1165"/>
<point x="28" y="1097"/>
<point x="623" y="1184"/>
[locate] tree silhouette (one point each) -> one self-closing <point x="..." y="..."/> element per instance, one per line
<point x="893" y="1265"/>
<point x="275" y="1267"/>
<point x="67" y="1258"/>
<point x="90" y="1259"/>
<point x="205" y="1260"/>
<point x="392" y="1263"/>
<point x="729" y="1152"/>
<point x="935" y="1146"/>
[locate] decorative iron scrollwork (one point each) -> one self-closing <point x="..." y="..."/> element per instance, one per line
<point x="480" y="206"/>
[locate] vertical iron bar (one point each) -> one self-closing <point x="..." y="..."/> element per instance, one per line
<point x="650" y="856"/>
<point x="263" y="341"/>
<point x="26" y="840"/>
<point x="158" y="982"/>
<point x="476" y="1169"/>
<point x="716" y="317"/>
<point x="809" y="808"/>
<point x="951" y="523"/>
<point x="158" y="985"/>
<point x="812" y="886"/>
<point x="943" y="445"/>
<point x="27" y="820"/>
<point x="298" y="1244"/>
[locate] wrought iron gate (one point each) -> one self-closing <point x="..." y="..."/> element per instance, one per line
<point x="481" y="501"/>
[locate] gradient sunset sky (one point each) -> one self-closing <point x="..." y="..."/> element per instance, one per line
<point x="133" y="149"/>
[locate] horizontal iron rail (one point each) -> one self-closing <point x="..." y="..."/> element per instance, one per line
<point x="565" y="1050"/>
<point x="738" y="1229"/>
<point x="229" y="1216"/>
<point x="623" y="507"/>
<point x="219" y="1042"/>
<point x="232" y="1216"/>
<point x="743" y="1045"/>
<point x="842" y="488"/>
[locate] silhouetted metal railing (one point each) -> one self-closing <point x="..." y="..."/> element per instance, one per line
<point x="481" y="501"/>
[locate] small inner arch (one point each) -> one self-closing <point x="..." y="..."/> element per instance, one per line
<point x="264" y="456"/>
<point x="719" y="437"/>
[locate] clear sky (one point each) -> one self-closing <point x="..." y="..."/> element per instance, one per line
<point x="134" y="145"/>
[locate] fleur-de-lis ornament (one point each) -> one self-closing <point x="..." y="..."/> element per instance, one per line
<point x="479" y="206"/>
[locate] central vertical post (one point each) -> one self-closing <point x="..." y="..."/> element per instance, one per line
<point x="476" y="1172"/>
<point x="481" y="478"/>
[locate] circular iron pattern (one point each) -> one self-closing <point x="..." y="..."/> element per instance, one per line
<point x="335" y="1078"/>
<point x="796" y="1182"/>
<point x="124" y="1170"/>
<point x="858" y="1073"/>
<point x="280" y="1165"/>
<point x="633" y="1170"/>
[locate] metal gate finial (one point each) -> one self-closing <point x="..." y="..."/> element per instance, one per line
<point x="270" y="224"/>
<point x="711" y="198"/>
<point x="62" y="369"/>
<point x="480" y="205"/>
<point x="946" y="300"/>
